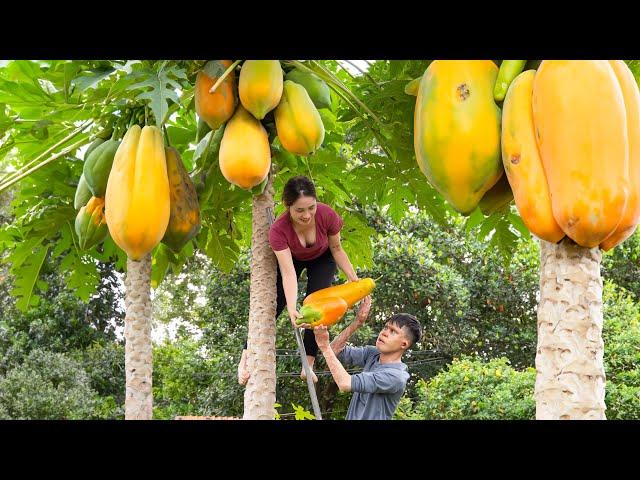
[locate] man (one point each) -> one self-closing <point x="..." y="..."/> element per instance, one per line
<point x="379" y="387"/>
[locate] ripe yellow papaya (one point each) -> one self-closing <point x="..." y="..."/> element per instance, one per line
<point x="326" y="311"/>
<point x="245" y="155"/>
<point x="457" y="130"/>
<point x="581" y="132"/>
<point x="298" y="123"/>
<point x="137" y="204"/>
<point x="217" y="107"/>
<point x="184" y="217"/>
<point x="260" y="86"/>
<point x="631" y="215"/>
<point x="90" y="224"/>
<point x="522" y="163"/>
<point x="350" y="292"/>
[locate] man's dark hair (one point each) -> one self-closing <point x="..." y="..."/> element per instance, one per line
<point x="413" y="331"/>
<point x="296" y="187"/>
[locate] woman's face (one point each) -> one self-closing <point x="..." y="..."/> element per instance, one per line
<point x="303" y="210"/>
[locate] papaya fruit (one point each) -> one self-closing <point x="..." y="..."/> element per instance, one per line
<point x="92" y="146"/>
<point x="522" y="162"/>
<point x="90" y="225"/>
<point x="98" y="165"/>
<point x="509" y="69"/>
<point x="298" y="123"/>
<point x="317" y="89"/>
<point x="326" y="311"/>
<point x="217" y="107"/>
<point x="631" y="214"/>
<point x="412" y="87"/>
<point x="184" y="216"/>
<point x="245" y="154"/>
<point x="260" y="86"/>
<point x="83" y="194"/>
<point x="497" y="197"/>
<point x="203" y="129"/>
<point x="582" y="135"/>
<point x="137" y="202"/>
<point x="350" y="292"/>
<point x="457" y="130"/>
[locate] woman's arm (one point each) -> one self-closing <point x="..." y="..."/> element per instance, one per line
<point x="289" y="282"/>
<point x="341" y="258"/>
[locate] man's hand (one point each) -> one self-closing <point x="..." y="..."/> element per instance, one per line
<point x="363" y="311"/>
<point x="322" y="337"/>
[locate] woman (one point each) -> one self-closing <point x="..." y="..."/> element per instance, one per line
<point x="305" y="236"/>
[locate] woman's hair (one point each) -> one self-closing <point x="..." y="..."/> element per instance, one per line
<point x="297" y="187"/>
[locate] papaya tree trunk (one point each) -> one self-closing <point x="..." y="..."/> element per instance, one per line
<point x="570" y="377"/>
<point x="137" y="336"/>
<point x="260" y="392"/>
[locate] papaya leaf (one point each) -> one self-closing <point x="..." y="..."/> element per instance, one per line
<point x="159" y="265"/>
<point x="83" y="275"/>
<point x="26" y="277"/>
<point x="222" y="250"/>
<point x="160" y="93"/>
<point x="84" y="82"/>
<point x="356" y="238"/>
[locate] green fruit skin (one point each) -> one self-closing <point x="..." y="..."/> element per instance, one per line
<point x="83" y="194"/>
<point x="509" y="70"/>
<point x="95" y="144"/>
<point x="89" y="233"/>
<point x="316" y="88"/>
<point x="98" y="166"/>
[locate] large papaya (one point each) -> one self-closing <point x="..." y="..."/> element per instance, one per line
<point x="350" y="292"/>
<point x="184" y="217"/>
<point x="457" y="130"/>
<point x="137" y="203"/>
<point x="326" y="311"/>
<point x="260" y="86"/>
<point x="582" y="135"/>
<point x="298" y="123"/>
<point x="631" y="215"/>
<point x="317" y="89"/>
<point x="497" y="197"/>
<point x="245" y="155"/>
<point x="217" y="107"/>
<point x="98" y="165"/>
<point x="522" y="162"/>
<point x="91" y="226"/>
<point x="83" y="194"/>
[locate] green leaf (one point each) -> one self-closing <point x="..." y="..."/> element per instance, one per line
<point x="222" y="250"/>
<point x="160" y="93"/>
<point x="159" y="265"/>
<point x="83" y="275"/>
<point x="519" y="225"/>
<point x="475" y="219"/>
<point x="26" y="277"/>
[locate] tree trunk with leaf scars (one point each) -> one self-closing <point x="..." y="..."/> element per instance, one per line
<point x="137" y="336"/>
<point x="570" y="381"/>
<point x="260" y="392"/>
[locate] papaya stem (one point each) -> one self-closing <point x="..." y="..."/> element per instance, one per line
<point x="224" y="75"/>
<point x="366" y="74"/>
<point x="78" y="144"/>
<point x="46" y="152"/>
<point x="166" y="134"/>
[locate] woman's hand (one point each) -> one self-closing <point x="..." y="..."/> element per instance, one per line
<point x="293" y="316"/>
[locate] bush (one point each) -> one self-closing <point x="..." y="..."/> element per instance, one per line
<point x="46" y="386"/>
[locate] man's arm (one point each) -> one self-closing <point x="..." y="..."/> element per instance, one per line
<point x="338" y="343"/>
<point x="340" y="375"/>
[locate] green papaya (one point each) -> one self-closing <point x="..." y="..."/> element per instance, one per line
<point x="203" y="129"/>
<point x="98" y="166"/>
<point x="184" y="217"/>
<point x="91" y="226"/>
<point x="95" y="144"/>
<point x="509" y="69"/>
<point x="316" y="87"/>
<point x="412" y="87"/>
<point x="497" y="197"/>
<point x="83" y="194"/>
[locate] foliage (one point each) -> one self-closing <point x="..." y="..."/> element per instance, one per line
<point x="48" y="385"/>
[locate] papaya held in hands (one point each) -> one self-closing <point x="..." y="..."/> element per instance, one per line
<point x="325" y="311"/>
<point x="351" y="292"/>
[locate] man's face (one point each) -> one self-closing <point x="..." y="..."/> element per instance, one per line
<point x="391" y="339"/>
